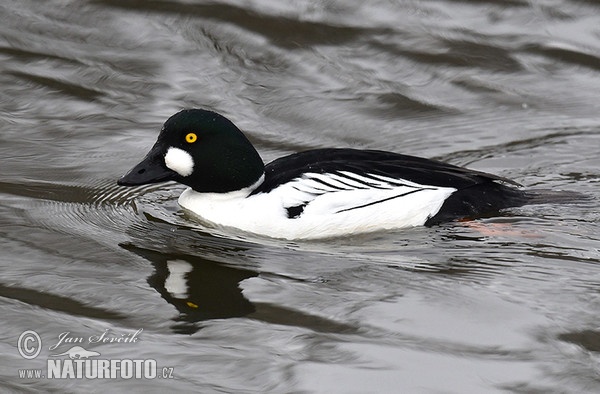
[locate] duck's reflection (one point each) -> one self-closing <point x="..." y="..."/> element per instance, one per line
<point x="201" y="290"/>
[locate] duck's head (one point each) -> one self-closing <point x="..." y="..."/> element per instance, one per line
<point x="201" y="149"/>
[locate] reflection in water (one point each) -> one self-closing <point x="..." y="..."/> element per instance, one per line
<point x="198" y="288"/>
<point x="202" y="290"/>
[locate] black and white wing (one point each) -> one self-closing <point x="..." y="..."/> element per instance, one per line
<point x="330" y="181"/>
<point x="343" y="191"/>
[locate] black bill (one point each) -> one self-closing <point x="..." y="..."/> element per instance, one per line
<point x="150" y="170"/>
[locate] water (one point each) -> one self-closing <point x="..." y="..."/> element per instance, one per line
<point x="503" y="304"/>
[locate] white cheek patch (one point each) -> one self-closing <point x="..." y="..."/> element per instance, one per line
<point x="179" y="161"/>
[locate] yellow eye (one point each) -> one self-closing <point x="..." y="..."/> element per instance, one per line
<point x="191" y="138"/>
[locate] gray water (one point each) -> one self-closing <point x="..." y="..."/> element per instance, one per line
<point x="503" y="304"/>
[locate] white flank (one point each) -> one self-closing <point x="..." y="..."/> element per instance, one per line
<point x="179" y="161"/>
<point x="345" y="204"/>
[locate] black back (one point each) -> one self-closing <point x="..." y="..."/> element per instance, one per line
<point x="361" y="162"/>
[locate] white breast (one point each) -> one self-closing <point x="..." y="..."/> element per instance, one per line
<point x="331" y="205"/>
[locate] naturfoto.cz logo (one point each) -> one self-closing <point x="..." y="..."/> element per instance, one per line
<point x="76" y="362"/>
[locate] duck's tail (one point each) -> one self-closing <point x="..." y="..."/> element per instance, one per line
<point x="488" y="198"/>
<point x="549" y="196"/>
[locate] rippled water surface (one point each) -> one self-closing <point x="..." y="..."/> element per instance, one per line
<point x="503" y="304"/>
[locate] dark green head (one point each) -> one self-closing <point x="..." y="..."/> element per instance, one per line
<point x="201" y="149"/>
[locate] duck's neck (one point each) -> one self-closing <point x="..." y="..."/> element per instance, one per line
<point x="223" y="196"/>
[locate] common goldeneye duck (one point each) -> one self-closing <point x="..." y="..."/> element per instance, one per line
<point x="314" y="194"/>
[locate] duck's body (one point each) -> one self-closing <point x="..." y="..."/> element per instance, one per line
<point x="314" y="194"/>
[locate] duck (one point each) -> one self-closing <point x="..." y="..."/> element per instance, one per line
<point x="314" y="194"/>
